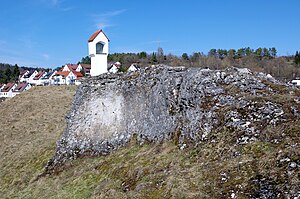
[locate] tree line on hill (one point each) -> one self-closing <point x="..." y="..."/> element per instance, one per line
<point x="260" y="59"/>
<point x="9" y="73"/>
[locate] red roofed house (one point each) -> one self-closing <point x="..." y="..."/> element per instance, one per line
<point x="23" y="74"/>
<point x="72" y="67"/>
<point x="48" y="78"/>
<point x="98" y="51"/>
<point x="38" y="77"/>
<point x="86" y="68"/>
<point x="24" y="86"/>
<point x="78" y="75"/>
<point x="67" y="77"/>
<point x="28" y="76"/>
<point x="7" y="89"/>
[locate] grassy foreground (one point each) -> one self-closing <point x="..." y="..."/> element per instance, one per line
<point x="219" y="168"/>
<point x="31" y="123"/>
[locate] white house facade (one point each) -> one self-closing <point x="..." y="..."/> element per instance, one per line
<point x="22" y="75"/>
<point x="66" y="77"/>
<point x="7" y="90"/>
<point x="24" y="86"/>
<point x="29" y="77"/>
<point x="296" y="82"/>
<point x="37" y="80"/>
<point x="133" y="67"/>
<point x="48" y="78"/>
<point x="98" y="52"/>
<point x="113" y="69"/>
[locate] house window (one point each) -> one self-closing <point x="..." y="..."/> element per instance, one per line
<point x="99" y="48"/>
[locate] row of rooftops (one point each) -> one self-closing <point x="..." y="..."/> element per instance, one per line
<point x="43" y="75"/>
<point x="72" y="68"/>
<point x="47" y="75"/>
<point x="7" y="87"/>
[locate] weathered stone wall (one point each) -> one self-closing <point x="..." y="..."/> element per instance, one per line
<point x="159" y="103"/>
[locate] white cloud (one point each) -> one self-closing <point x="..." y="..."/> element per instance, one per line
<point x="111" y="13"/>
<point x="103" y="20"/>
<point x="66" y="9"/>
<point x="103" y="25"/>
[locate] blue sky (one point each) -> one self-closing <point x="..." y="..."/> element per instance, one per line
<point x="50" y="33"/>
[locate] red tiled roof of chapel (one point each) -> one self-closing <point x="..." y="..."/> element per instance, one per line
<point x="96" y="34"/>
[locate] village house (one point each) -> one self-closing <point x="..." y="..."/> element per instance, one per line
<point x="114" y="67"/>
<point x="67" y="77"/>
<point x="37" y="78"/>
<point x="86" y="68"/>
<point x="7" y="89"/>
<point x="72" y="67"/>
<point x="23" y="74"/>
<point x="29" y="76"/>
<point x="296" y="82"/>
<point x="48" y="78"/>
<point x="24" y="86"/>
<point x="133" y="67"/>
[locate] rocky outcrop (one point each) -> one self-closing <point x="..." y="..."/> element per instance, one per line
<point x="164" y="103"/>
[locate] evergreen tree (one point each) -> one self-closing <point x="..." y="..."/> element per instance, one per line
<point x="86" y="60"/>
<point x="16" y="73"/>
<point x="185" y="56"/>
<point x="266" y="52"/>
<point x="142" y="55"/>
<point x="248" y="51"/>
<point x="212" y="52"/>
<point x="241" y="52"/>
<point x="153" y="58"/>
<point x="259" y="52"/>
<point x="231" y="53"/>
<point x="7" y="75"/>
<point x="273" y="51"/>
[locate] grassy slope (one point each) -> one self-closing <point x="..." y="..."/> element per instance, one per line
<point x="149" y="171"/>
<point x="30" y="125"/>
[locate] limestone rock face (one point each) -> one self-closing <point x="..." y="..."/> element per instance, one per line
<point x="163" y="103"/>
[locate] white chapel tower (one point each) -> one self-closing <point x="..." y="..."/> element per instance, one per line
<point x="98" y="51"/>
